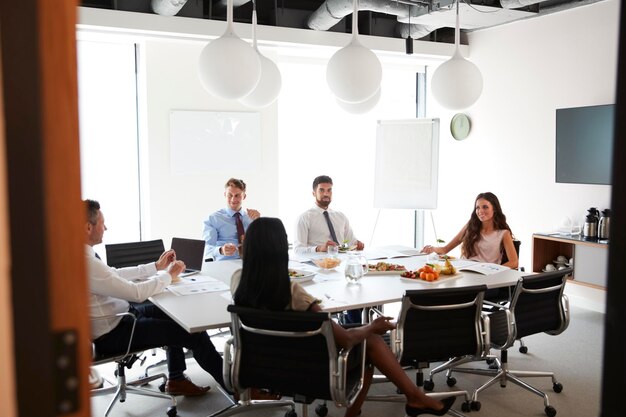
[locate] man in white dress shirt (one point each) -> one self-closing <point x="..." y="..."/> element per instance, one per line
<point x="110" y="292"/>
<point x="320" y="226"/>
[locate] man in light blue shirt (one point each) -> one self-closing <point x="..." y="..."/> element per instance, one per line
<point x="223" y="230"/>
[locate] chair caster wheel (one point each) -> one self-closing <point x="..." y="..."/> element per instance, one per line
<point x="162" y="387"/>
<point x="451" y="381"/>
<point x="429" y="385"/>
<point x="550" y="411"/>
<point x="475" y="405"/>
<point x="490" y="361"/>
<point x="466" y="407"/>
<point x="523" y="349"/>
<point x="557" y="387"/>
<point x="321" y="410"/>
<point x="171" y="411"/>
<point x="291" y="413"/>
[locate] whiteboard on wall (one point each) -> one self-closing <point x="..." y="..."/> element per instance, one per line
<point x="407" y="164"/>
<point x="206" y="142"/>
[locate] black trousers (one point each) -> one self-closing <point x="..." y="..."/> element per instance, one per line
<point x="154" y="329"/>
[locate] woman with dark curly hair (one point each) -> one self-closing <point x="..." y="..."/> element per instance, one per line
<point x="485" y="237"/>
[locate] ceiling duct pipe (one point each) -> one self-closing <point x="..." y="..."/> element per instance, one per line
<point x="332" y="11"/>
<point x="167" y="7"/>
<point x="415" y="31"/>
<point x="515" y="4"/>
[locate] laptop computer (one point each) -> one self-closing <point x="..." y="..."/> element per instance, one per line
<point x="191" y="252"/>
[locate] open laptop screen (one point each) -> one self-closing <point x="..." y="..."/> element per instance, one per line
<point x="190" y="251"/>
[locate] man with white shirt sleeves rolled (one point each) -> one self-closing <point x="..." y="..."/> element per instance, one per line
<point x="224" y="230"/>
<point x="320" y="226"/>
<point x="111" y="291"/>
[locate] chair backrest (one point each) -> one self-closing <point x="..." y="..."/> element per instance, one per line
<point x="293" y="353"/>
<point x="505" y="258"/>
<point x="439" y="324"/>
<point x="120" y="255"/>
<point x="539" y="305"/>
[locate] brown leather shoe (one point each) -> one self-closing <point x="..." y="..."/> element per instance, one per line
<point x="184" y="387"/>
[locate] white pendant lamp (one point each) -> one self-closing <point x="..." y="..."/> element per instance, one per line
<point x="457" y="83"/>
<point x="266" y="91"/>
<point x="362" y="107"/>
<point x="354" y="72"/>
<point x="229" y="68"/>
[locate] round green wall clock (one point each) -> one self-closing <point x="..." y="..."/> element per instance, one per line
<point x="460" y="126"/>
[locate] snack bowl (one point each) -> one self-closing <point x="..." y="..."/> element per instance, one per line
<point x="327" y="263"/>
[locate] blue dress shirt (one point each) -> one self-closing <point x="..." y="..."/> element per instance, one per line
<point x="220" y="228"/>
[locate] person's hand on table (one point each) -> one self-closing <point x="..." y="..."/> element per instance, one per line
<point x="165" y="259"/>
<point x="359" y="245"/>
<point x="324" y="247"/>
<point x="229" y="249"/>
<point x="428" y="249"/>
<point x="253" y="214"/>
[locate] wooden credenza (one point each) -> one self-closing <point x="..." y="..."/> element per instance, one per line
<point x="590" y="257"/>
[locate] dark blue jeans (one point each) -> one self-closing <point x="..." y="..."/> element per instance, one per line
<point x="154" y="329"/>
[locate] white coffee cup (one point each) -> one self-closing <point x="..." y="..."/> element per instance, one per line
<point x="561" y="259"/>
<point x="550" y="267"/>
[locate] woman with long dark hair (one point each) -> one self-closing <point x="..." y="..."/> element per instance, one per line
<point x="264" y="283"/>
<point x="485" y="237"/>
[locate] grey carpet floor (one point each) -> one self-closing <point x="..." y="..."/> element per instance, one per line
<point x="575" y="356"/>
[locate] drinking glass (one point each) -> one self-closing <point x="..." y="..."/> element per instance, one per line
<point x="332" y="251"/>
<point x="354" y="270"/>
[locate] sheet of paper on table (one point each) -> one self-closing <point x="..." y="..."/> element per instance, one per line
<point x="200" y="284"/>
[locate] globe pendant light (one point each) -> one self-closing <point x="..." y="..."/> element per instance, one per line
<point x="229" y="68"/>
<point x="457" y="83"/>
<point x="354" y="72"/>
<point x="266" y="91"/>
<point x="362" y="107"/>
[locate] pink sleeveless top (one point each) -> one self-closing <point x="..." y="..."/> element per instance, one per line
<point x="488" y="248"/>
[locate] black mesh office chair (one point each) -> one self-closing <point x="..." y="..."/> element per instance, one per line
<point x="538" y="306"/>
<point x="293" y="353"/>
<point x="436" y="325"/>
<point x="125" y="360"/>
<point x="120" y="255"/>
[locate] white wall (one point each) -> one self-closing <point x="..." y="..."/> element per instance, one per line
<point x="179" y="203"/>
<point x="530" y="68"/>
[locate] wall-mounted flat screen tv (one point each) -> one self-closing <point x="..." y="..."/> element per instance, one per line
<point x="584" y="144"/>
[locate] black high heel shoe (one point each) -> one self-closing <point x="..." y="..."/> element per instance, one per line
<point x="414" y="411"/>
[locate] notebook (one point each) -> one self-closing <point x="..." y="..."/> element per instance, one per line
<point x="191" y="252"/>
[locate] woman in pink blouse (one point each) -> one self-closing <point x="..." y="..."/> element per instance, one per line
<point x="485" y="237"/>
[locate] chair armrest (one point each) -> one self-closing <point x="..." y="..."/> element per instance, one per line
<point x="227" y="368"/>
<point x="340" y="396"/>
<point x="132" y="332"/>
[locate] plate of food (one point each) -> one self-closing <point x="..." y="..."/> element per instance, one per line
<point x="431" y="273"/>
<point x="385" y="268"/>
<point x="327" y="263"/>
<point x="414" y="276"/>
<point x="300" y="275"/>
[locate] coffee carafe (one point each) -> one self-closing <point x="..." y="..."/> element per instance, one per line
<point x="604" y="224"/>
<point x="590" y="228"/>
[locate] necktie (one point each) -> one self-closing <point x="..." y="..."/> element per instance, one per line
<point x="98" y="256"/>
<point x="239" y="224"/>
<point x="331" y="229"/>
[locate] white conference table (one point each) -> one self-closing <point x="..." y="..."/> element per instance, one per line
<point x="204" y="311"/>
